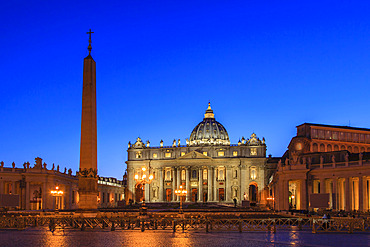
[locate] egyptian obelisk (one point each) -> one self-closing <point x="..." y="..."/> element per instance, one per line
<point x="87" y="179"/>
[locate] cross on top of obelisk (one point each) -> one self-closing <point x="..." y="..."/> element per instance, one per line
<point x="89" y="47"/>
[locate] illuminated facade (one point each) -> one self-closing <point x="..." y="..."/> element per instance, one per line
<point x="33" y="187"/>
<point x="208" y="167"/>
<point x="325" y="166"/>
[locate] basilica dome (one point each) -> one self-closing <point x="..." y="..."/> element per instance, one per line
<point x="209" y="131"/>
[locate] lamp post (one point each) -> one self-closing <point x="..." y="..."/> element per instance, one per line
<point x="144" y="179"/>
<point x="181" y="193"/>
<point x="57" y="193"/>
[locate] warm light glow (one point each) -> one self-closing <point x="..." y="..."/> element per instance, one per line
<point x="57" y="192"/>
<point x="136" y="177"/>
<point x="144" y="169"/>
<point x="150" y="177"/>
<point x="292" y="196"/>
<point x="270" y="198"/>
<point x="144" y="176"/>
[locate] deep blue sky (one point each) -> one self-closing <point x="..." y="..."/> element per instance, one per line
<point x="266" y="66"/>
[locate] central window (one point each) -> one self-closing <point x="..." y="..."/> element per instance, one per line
<point x="168" y="155"/>
<point x="205" y="153"/>
<point x="221" y="153"/>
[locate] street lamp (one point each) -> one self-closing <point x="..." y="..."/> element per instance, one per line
<point x="144" y="179"/>
<point x="57" y="193"/>
<point x="181" y="193"/>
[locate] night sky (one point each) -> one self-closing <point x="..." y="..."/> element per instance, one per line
<point x="266" y="67"/>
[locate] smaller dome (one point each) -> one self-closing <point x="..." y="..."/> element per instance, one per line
<point x="209" y="131"/>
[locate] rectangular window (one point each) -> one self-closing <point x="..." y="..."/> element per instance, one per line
<point x="321" y="134"/>
<point x="328" y="135"/>
<point x="355" y="137"/>
<point x="349" y="137"/>
<point x="235" y="153"/>
<point x="205" y="153"/>
<point x="221" y="153"/>
<point x="314" y="133"/>
<point x="168" y="155"/>
<point x="253" y="151"/>
<point x="362" y="138"/>
<point x="155" y="155"/>
<point x="182" y="153"/>
<point x="335" y="135"/>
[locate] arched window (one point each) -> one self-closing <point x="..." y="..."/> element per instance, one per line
<point x="342" y="147"/>
<point x="355" y="150"/>
<point x="205" y="174"/>
<point x="194" y="174"/>
<point x="315" y="147"/>
<point x="329" y="148"/>
<point x="253" y="173"/>
<point x="322" y="147"/>
<point x="349" y="149"/>
<point x="336" y="148"/>
<point x="221" y="173"/>
<point x="168" y="175"/>
<point x="362" y="149"/>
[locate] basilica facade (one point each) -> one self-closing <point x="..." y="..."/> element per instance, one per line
<point x="208" y="167"/>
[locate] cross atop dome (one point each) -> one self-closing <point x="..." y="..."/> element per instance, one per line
<point x="209" y="112"/>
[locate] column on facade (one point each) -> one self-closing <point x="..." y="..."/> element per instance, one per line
<point x="334" y="194"/>
<point x="132" y="183"/>
<point x="161" y="187"/>
<point x="1" y="187"/>
<point x="347" y="194"/>
<point x="286" y="194"/>
<point x="69" y="206"/>
<point x="303" y="194"/>
<point x="14" y="191"/>
<point x="228" y="191"/>
<point x="173" y="184"/>
<point x="200" y="185"/>
<point x="214" y="185"/>
<point x="209" y="183"/>
<point x="28" y="196"/>
<point x="178" y="180"/>
<point x="243" y="179"/>
<point x="147" y="194"/>
<point x="322" y="186"/>
<point x="188" y="195"/>
<point x="360" y="193"/>
<point x="44" y="195"/>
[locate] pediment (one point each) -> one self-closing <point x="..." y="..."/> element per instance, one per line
<point x="194" y="155"/>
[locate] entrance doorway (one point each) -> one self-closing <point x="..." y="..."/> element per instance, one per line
<point x="221" y="194"/>
<point x="253" y="193"/>
<point x="139" y="193"/>
<point x="194" y="195"/>
<point x="168" y="195"/>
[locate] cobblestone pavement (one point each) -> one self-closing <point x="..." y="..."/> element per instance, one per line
<point x="43" y="237"/>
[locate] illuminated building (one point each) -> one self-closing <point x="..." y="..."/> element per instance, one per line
<point x="207" y="166"/>
<point x="32" y="187"/>
<point x="325" y="166"/>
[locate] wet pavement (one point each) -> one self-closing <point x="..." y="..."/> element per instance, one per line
<point x="43" y="237"/>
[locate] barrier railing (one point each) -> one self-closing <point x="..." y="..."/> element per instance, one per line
<point x="187" y="224"/>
